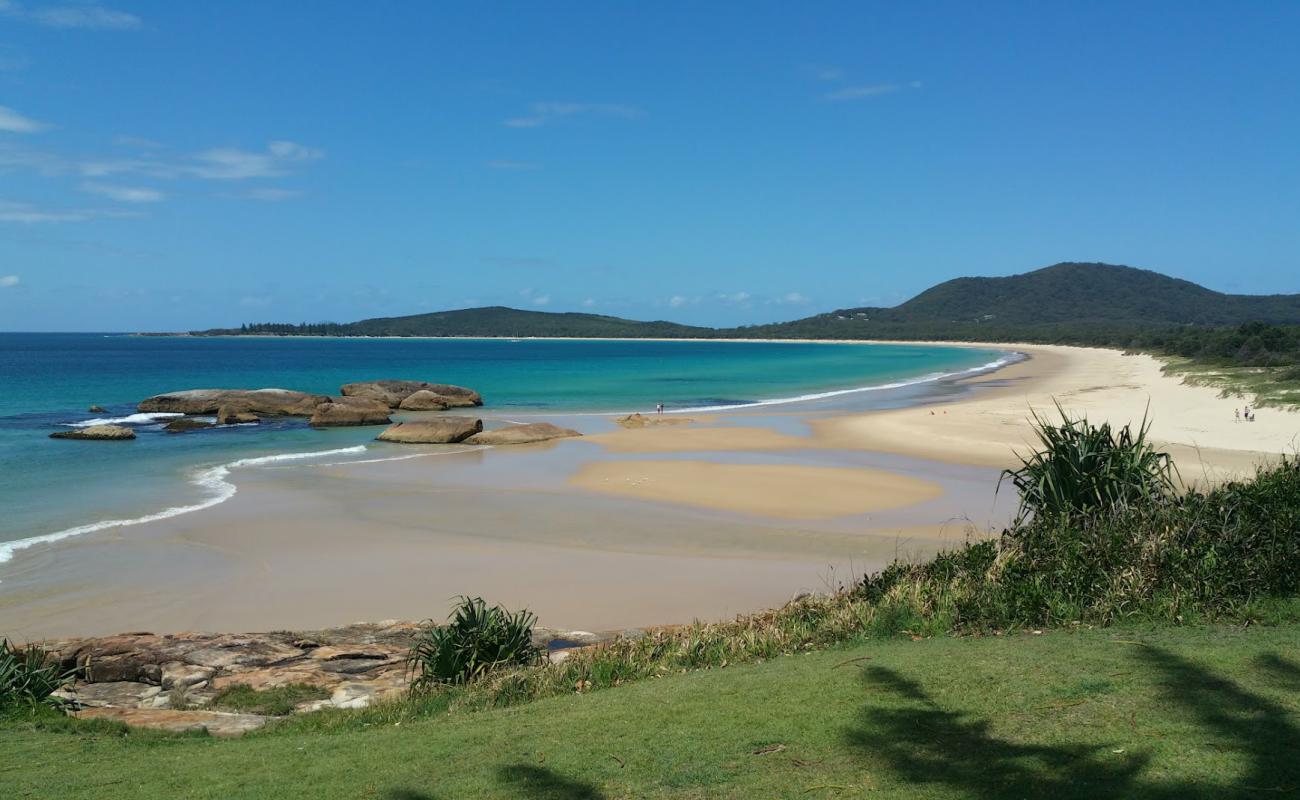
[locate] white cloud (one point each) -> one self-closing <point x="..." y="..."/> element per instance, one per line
<point x="679" y="300"/>
<point x="512" y="165"/>
<point x="124" y="194"/>
<point x="826" y="72"/>
<point x="234" y="164"/>
<point x="13" y="122"/>
<point x="872" y="90"/>
<point x="793" y="298"/>
<point x="8" y="281"/>
<point x="590" y="302"/>
<point x="736" y="299"/>
<point x="542" y="300"/>
<point x="542" y="113"/>
<point x="88" y="15"/>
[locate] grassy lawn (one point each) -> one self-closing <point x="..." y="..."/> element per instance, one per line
<point x="1146" y="712"/>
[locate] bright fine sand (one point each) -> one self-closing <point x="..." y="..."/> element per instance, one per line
<point x="623" y="527"/>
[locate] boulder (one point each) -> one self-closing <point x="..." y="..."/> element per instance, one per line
<point x="268" y="402"/>
<point x="392" y="393"/>
<point x="214" y="722"/>
<point x="185" y="424"/>
<point x="101" y="433"/>
<point x="96" y="410"/>
<point x="522" y="434"/>
<point x="642" y="421"/>
<point x="350" y="411"/>
<point x="425" y="400"/>
<point x="444" y="430"/>
<point x="235" y="415"/>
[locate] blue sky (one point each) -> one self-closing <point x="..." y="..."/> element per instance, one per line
<point x="171" y="165"/>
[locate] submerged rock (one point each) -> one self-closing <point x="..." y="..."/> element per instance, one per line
<point x="271" y="402"/>
<point x="185" y="424"/>
<point x="341" y="411"/>
<point x="235" y="415"/>
<point x="522" y="434"/>
<point x="102" y="433"/>
<point x="639" y="420"/>
<point x="392" y="393"/>
<point x="444" y="430"/>
<point x="96" y="410"/>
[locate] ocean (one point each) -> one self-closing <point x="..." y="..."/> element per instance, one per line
<point x="50" y="489"/>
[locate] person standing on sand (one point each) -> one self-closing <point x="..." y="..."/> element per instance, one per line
<point x="1236" y="415"/>
<point x="659" y="409"/>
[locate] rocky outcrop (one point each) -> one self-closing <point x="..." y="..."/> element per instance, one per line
<point x="642" y="421"/>
<point x="235" y="415"/>
<point x="425" y="400"/>
<point x="96" y="410"/>
<point x="522" y="434"/>
<point x="100" y="433"/>
<point x="340" y="411"/>
<point x="266" y="402"/>
<point x="186" y="424"/>
<point x="443" y="430"/>
<point x="170" y="681"/>
<point x="392" y="393"/>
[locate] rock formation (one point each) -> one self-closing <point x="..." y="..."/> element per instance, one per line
<point x="268" y="402"/>
<point x="102" y="433"/>
<point x="522" y="434"/>
<point x="96" y="410"/>
<point x="170" y="681"/>
<point x="235" y="415"/>
<point x="392" y="393"/>
<point x="341" y="411"/>
<point x="425" y="400"/>
<point x="443" y="430"/>
<point x="641" y="421"/>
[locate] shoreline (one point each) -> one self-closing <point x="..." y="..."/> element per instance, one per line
<point x="404" y="533"/>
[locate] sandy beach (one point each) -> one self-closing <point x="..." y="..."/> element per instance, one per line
<point x="622" y="527"/>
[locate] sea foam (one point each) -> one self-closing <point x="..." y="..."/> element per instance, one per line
<point x="130" y="419"/>
<point x="210" y="479"/>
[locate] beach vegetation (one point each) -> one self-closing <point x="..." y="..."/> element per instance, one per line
<point x="28" y="677"/>
<point x="1082" y="469"/>
<point x="476" y="640"/>
<point x="273" y="701"/>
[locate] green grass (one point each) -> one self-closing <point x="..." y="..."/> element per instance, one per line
<point x="276" y="701"/>
<point x="1145" y="711"/>
<point x="1258" y="387"/>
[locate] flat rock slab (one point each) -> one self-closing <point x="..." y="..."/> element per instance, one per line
<point x="393" y="393"/>
<point x="214" y="722"/>
<point x="641" y="421"/>
<point x="97" y="433"/>
<point x="522" y="434"/>
<point x="443" y="430"/>
<point x="255" y="401"/>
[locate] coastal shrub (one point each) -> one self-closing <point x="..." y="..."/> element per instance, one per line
<point x="1083" y="468"/>
<point x="1202" y="553"/>
<point x="476" y="640"/>
<point x="27" y="678"/>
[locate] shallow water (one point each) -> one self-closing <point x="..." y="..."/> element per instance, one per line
<point x="51" y="487"/>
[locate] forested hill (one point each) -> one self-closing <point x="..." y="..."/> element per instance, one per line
<point x="1086" y="303"/>
<point x="486" y="322"/>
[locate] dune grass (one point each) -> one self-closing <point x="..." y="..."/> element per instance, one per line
<point x="1133" y="711"/>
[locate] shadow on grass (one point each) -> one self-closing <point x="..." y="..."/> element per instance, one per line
<point x="922" y="743"/>
<point x="524" y="781"/>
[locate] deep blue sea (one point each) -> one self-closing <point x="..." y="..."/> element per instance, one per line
<point x="47" y="381"/>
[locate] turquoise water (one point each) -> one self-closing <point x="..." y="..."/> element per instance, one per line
<point x="48" y="380"/>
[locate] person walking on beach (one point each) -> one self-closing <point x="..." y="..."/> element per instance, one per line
<point x="1236" y="415"/>
<point x="659" y="409"/>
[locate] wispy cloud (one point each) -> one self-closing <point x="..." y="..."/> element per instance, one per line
<point x="124" y="194"/>
<point x="268" y="194"/>
<point x="825" y="72"/>
<point x="542" y="300"/>
<point x="223" y="164"/>
<point x="742" y="299"/>
<point x="88" y="16"/>
<point x="544" y="113"/>
<point x="870" y="90"/>
<point x="792" y="299"/>
<point x="513" y="165"/>
<point x="13" y="122"/>
<point x="28" y="214"/>
<point x="8" y="281"/>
